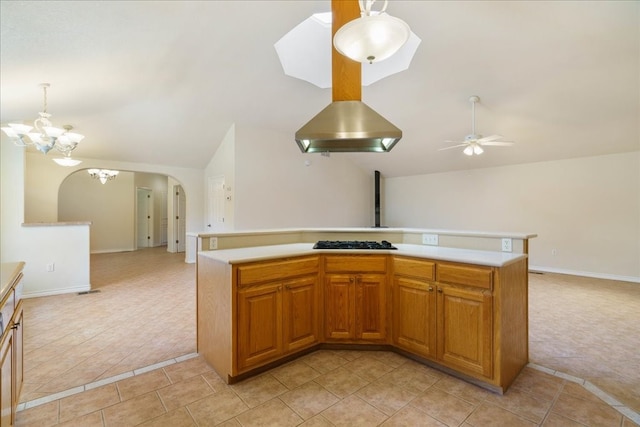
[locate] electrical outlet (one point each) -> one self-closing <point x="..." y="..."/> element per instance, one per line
<point x="51" y="267"/>
<point x="506" y="245"/>
<point x="430" y="239"/>
<point x="213" y="243"/>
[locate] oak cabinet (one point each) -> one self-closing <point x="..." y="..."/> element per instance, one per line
<point x="355" y="297"/>
<point x="300" y="313"/>
<point x="259" y="324"/>
<point x="466" y="318"/>
<point x="442" y="312"/>
<point x="414" y="316"/>
<point x="414" y="306"/>
<point x="11" y="339"/>
<point x="6" y="380"/>
<point x="464" y="329"/>
<point x="277" y="313"/>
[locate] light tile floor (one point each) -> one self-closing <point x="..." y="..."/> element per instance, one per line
<point x="125" y="356"/>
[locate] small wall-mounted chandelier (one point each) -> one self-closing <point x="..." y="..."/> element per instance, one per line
<point x="46" y="136"/>
<point x="103" y="175"/>
<point x="372" y="37"/>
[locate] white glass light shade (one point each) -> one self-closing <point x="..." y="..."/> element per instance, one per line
<point x="53" y="131"/>
<point x="67" y="161"/>
<point x="477" y="149"/>
<point x="371" y="37"/>
<point x="468" y="150"/>
<point x="16" y="129"/>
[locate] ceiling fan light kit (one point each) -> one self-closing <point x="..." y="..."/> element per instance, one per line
<point x="474" y="142"/>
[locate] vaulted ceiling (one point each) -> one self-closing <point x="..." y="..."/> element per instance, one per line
<point x="162" y="82"/>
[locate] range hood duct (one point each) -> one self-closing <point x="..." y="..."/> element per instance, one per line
<point x="347" y="124"/>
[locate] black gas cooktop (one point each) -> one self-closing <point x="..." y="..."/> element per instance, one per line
<point x="352" y="244"/>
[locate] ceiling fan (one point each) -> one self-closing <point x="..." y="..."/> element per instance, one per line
<point x="473" y="143"/>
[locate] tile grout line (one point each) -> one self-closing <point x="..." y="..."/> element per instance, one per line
<point x="90" y="386"/>
<point x="589" y="386"/>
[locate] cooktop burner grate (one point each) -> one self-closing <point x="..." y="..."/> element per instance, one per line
<point x="352" y="244"/>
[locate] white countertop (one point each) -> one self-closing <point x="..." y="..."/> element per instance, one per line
<point x="261" y="253"/>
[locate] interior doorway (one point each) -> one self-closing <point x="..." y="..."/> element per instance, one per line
<point x="215" y="203"/>
<point x="144" y="218"/>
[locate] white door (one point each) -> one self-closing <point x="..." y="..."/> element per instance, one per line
<point x="179" y="215"/>
<point x="144" y="220"/>
<point x="216" y="197"/>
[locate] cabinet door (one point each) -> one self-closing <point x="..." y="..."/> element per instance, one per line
<point x="371" y="312"/>
<point x="464" y="329"/>
<point x="259" y="324"/>
<point x="18" y="372"/>
<point x="6" y="379"/>
<point x="414" y="321"/>
<point x="300" y="311"/>
<point x="340" y="306"/>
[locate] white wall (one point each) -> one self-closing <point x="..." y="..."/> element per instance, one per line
<point x="43" y="178"/>
<point x="67" y="247"/>
<point x="585" y="210"/>
<point x="110" y="207"/>
<point x="274" y="188"/>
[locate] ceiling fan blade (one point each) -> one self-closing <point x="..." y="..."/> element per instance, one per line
<point x="498" y="143"/>
<point x="453" y="146"/>
<point x="490" y="138"/>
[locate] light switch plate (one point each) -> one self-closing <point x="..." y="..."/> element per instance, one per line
<point x="430" y="239"/>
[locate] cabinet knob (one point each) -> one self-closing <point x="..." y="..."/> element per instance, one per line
<point x="440" y="290"/>
<point x="430" y="288"/>
<point x="287" y="287"/>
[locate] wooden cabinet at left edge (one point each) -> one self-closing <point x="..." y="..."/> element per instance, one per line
<point x="469" y="320"/>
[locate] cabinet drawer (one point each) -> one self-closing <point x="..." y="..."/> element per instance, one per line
<point x="424" y="270"/>
<point x="480" y="277"/>
<point x="355" y="263"/>
<point x="270" y="271"/>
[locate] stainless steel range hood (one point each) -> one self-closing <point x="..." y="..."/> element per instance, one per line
<point x="347" y="126"/>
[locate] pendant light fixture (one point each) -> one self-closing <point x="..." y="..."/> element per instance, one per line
<point x="347" y="124"/>
<point x="375" y="36"/>
<point x="46" y="136"/>
<point x="103" y="175"/>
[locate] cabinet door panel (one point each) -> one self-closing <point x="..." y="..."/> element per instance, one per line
<point x="371" y="310"/>
<point x="6" y="379"/>
<point x="259" y="325"/>
<point x="18" y="335"/>
<point x="300" y="313"/>
<point x="414" y="308"/>
<point x="340" y="306"/>
<point x="464" y="329"/>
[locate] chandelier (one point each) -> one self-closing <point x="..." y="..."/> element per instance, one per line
<point x="103" y="175"/>
<point x="372" y="37"/>
<point x="45" y="136"/>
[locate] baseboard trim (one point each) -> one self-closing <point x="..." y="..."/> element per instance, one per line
<point x="58" y="291"/>
<point x="535" y="268"/>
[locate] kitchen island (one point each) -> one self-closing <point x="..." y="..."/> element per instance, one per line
<point x="461" y="310"/>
